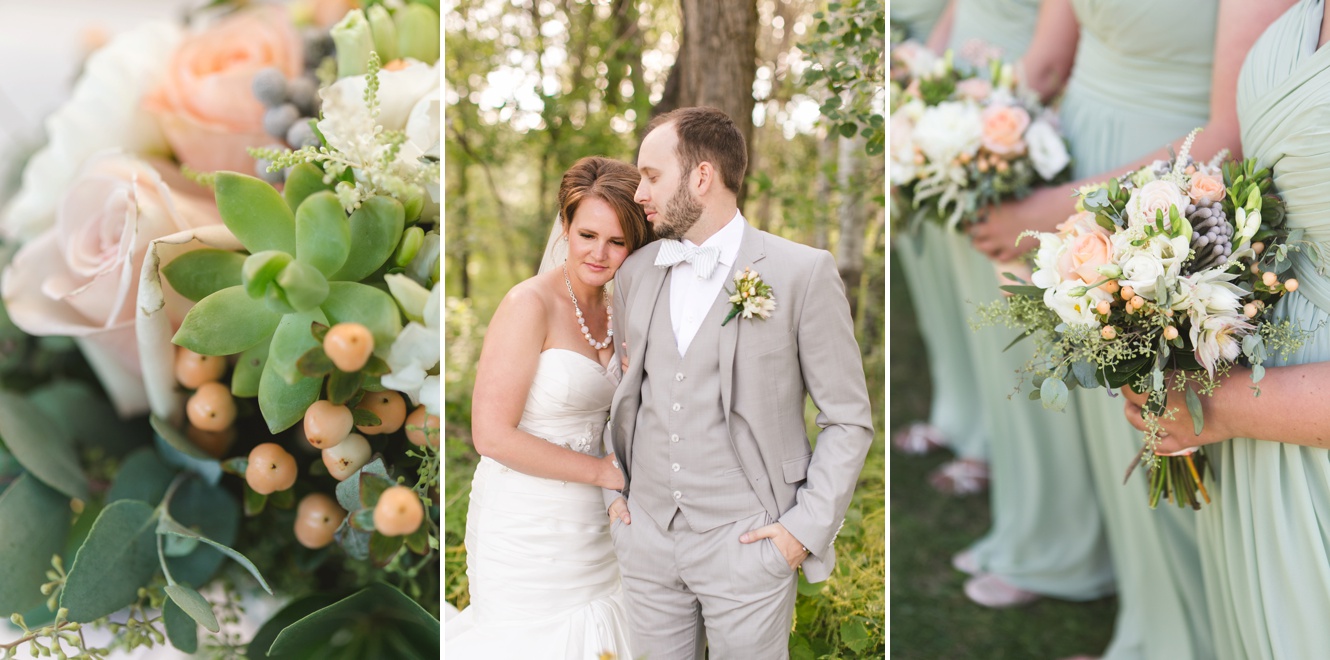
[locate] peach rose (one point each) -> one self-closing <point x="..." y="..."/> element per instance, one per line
<point x="1079" y="223"/>
<point x="1004" y="126"/>
<point x="975" y="89"/>
<point x="1206" y="185"/>
<point x="205" y="105"/>
<point x="80" y="278"/>
<point x="1084" y="255"/>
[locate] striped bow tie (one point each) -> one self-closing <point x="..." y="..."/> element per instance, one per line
<point x="704" y="259"/>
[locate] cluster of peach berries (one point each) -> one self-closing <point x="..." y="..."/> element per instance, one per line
<point x="211" y="410"/>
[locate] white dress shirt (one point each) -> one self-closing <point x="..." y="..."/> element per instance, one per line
<point x="691" y="297"/>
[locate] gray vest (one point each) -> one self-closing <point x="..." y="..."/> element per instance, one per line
<point x="683" y="458"/>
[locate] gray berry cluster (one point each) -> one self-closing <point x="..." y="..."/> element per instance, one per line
<point x="290" y="105"/>
<point x="1212" y="235"/>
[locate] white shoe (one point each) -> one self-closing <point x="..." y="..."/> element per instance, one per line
<point x="990" y="590"/>
<point x="965" y="562"/>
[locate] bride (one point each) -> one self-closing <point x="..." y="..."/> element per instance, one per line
<point x="544" y="581"/>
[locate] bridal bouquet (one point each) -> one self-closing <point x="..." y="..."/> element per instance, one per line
<point x="237" y="223"/>
<point x="960" y="142"/>
<point x="1172" y="268"/>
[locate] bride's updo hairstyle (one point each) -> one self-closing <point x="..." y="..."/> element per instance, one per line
<point x="612" y="181"/>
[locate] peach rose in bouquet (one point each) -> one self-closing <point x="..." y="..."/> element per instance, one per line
<point x="205" y="104"/>
<point x="80" y="278"/>
<point x="1088" y="247"/>
<point x="1206" y="186"/>
<point x="1003" y="129"/>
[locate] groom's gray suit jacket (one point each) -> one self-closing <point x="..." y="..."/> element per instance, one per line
<point x="766" y="368"/>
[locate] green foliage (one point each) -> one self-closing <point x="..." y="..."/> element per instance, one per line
<point x="34" y="519"/>
<point x="118" y="559"/>
<point x="847" y="48"/>
<point x="384" y="623"/>
<point x="41" y="446"/>
<point x="255" y="213"/>
<point x="201" y="273"/>
<point x="375" y="229"/>
<point x="226" y="322"/>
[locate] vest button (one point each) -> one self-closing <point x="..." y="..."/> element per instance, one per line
<point x="677" y="495"/>
<point x="674" y="437"/>
<point x="675" y="407"/>
<point x="678" y="377"/>
<point x="675" y="467"/>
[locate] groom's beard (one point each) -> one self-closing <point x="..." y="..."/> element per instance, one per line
<point x="679" y="214"/>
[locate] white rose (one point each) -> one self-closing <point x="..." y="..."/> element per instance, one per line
<point x="948" y="130"/>
<point x="1046" y="274"/>
<point x="1143" y="265"/>
<point x="1153" y="197"/>
<point x="1072" y="309"/>
<point x="104" y="110"/>
<point x="1047" y="151"/>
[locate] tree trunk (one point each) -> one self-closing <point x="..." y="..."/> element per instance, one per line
<point x="458" y="217"/>
<point x="826" y="154"/>
<point x="717" y="63"/>
<point x="850" y="214"/>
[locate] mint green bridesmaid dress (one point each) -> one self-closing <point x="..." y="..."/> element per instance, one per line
<point x="1141" y="80"/>
<point x="1046" y="536"/>
<point x="1265" y="542"/>
<point x="925" y="263"/>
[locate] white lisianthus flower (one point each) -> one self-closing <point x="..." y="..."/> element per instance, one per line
<point x="948" y="130"/>
<point x="1046" y="275"/>
<point x="1219" y="337"/>
<point x="415" y="353"/>
<point x="1143" y="265"/>
<point x="1152" y="197"/>
<point x="104" y="111"/>
<point x="1075" y="309"/>
<point x="1047" y="151"/>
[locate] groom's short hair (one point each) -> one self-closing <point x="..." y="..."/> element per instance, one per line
<point x="708" y="134"/>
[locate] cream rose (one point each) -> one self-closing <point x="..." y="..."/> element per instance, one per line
<point x="1206" y="186"/>
<point x="80" y="278"/>
<point x="1151" y="198"/>
<point x="1047" y="150"/>
<point x="1003" y="129"/>
<point x="205" y="104"/>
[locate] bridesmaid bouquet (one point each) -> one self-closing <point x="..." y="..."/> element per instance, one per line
<point x="1172" y="268"/>
<point x="268" y="345"/>
<point x="960" y="142"/>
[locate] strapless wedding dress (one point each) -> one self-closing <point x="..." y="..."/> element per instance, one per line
<point x="544" y="580"/>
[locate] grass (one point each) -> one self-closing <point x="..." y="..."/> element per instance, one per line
<point x="930" y="615"/>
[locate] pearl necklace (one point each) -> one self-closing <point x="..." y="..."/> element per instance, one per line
<point x="581" y="321"/>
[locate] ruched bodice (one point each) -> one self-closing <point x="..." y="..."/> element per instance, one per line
<point x="1265" y="543"/>
<point x="569" y="400"/>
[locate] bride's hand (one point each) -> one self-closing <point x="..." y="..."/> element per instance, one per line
<point x="619" y="509"/>
<point x="1178" y="433"/>
<point x="611" y="475"/>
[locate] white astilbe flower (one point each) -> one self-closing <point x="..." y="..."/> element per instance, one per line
<point x="414" y="355"/>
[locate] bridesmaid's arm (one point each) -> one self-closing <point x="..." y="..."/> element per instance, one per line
<point x="1047" y="62"/>
<point x="1240" y="23"/>
<point x="1291" y="409"/>
<point x="508" y="358"/>
<point x="937" y="41"/>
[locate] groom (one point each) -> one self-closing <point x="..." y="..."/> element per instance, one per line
<point x="725" y="496"/>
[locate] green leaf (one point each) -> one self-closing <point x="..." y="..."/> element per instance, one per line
<point x="377" y="610"/>
<point x="854" y="634"/>
<point x="291" y="341"/>
<point x="1023" y="290"/>
<point x="315" y="363"/>
<point x="362" y="520"/>
<point x="1053" y="394"/>
<point x="365" y="417"/>
<point x="282" y="403"/>
<point x="143" y="476"/>
<point x="418" y="542"/>
<point x="283" y="499"/>
<point x="342" y="386"/>
<point x="353" y="541"/>
<point x="212" y="512"/>
<point x="302" y="286"/>
<point x="262" y="269"/>
<point x="323" y="236"/>
<point x="119" y="556"/>
<point x="168" y="526"/>
<point x="200" y="273"/>
<point x="375" y="229"/>
<point x="33" y="521"/>
<point x="1194" y="409"/>
<point x="180" y="628"/>
<point x="371" y="487"/>
<point x="254" y="502"/>
<point x="225" y="323"/>
<point x="383" y="548"/>
<point x="295" y="611"/>
<point x="41" y="446"/>
<point x="304" y="180"/>
<point x="97" y="424"/>
<point x="177" y="450"/>
<point x="348" y="492"/>
<point x="195" y="605"/>
<point x="255" y="213"/>
<point x="349" y="302"/>
<point x="249" y="368"/>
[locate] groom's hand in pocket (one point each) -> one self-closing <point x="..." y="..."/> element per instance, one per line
<point x="790" y="548"/>
<point x="619" y="509"/>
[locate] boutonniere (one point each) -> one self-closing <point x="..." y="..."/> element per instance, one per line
<point x="751" y="297"/>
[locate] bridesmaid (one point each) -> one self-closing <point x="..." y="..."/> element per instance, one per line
<point x="925" y="264"/>
<point x="1047" y="536"/>
<point x="1145" y="74"/>
<point x="1265" y="540"/>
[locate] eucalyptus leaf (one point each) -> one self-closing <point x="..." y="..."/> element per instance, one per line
<point x="377" y="610"/>
<point x="41" y="446"/>
<point x="200" y="273"/>
<point x="97" y="424"/>
<point x="195" y="605"/>
<point x="282" y="403"/>
<point x="1257" y="373"/>
<point x="304" y="180"/>
<point x="143" y="476"/>
<point x="176" y="449"/>
<point x="362" y="520"/>
<point x="323" y="235"/>
<point x="1084" y="372"/>
<point x="294" y="611"/>
<point x="376" y="228"/>
<point x="348" y="491"/>
<point x="353" y="541"/>
<point x="119" y="557"/>
<point x="349" y="302"/>
<point x="291" y="341"/>
<point x="1194" y="409"/>
<point x="212" y="512"/>
<point x="168" y="526"/>
<point x="180" y="628"/>
<point x="249" y="368"/>
<point x="1053" y="394"/>
<point x="225" y="323"/>
<point x="33" y="521"/>
<point x="255" y="213"/>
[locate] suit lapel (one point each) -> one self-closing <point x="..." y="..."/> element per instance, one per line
<point x="750" y="252"/>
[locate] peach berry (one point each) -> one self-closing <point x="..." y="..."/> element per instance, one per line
<point x="347" y="457"/>
<point x="327" y="423"/>
<point x="1290" y="285"/>
<point x="390" y="408"/>
<point x="317" y="517"/>
<point x="213" y="443"/>
<point x="348" y="345"/>
<point x="193" y="369"/>
<point x="270" y="469"/>
<point x="399" y="512"/>
<point x="422" y="422"/>
<point x="1269" y="278"/>
<point x="211" y="408"/>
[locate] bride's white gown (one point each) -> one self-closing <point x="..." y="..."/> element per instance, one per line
<point x="544" y="580"/>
